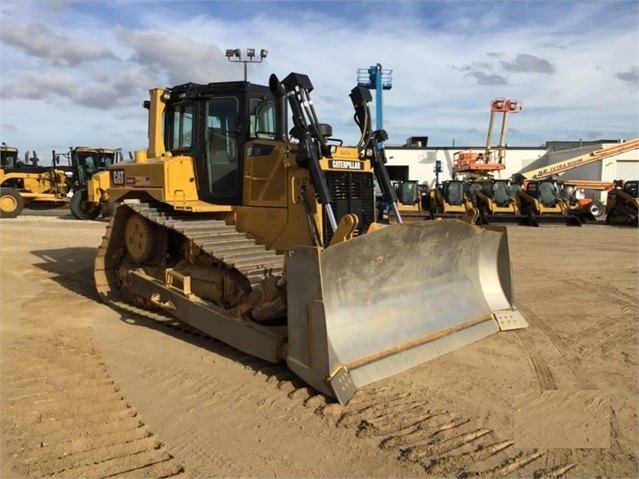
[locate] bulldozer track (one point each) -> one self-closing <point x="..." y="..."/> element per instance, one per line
<point x="213" y="236"/>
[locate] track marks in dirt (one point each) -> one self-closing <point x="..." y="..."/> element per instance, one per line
<point x="83" y="424"/>
<point x="571" y="358"/>
<point x="443" y="442"/>
<point x="618" y="328"/>
<point x="543" y="372"/>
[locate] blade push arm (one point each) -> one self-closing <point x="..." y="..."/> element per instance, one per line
<point x="372" y="139"/>
<point x="312" y="147"/>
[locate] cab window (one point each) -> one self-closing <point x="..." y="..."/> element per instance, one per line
<point x="262" y="119"/>
<point x="181" y="128"/>
<point x="222" y="148"/>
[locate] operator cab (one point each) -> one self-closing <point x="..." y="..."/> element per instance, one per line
<point x="500" y="192"/>
<point x="632" y="188"/>
<point x="215" y="124"/>
<point x="9" y="157"/>
<point x="544" y="191"/>
<point x="453" y="192"/>
<point x="86" y="162"/>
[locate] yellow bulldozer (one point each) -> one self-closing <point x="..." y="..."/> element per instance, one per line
<point x="265" y="238"/>
<point x="30" y="186"/>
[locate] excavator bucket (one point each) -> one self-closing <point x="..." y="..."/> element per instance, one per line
<point x="383" y="302"/>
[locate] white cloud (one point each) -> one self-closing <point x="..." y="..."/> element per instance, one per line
<point x="38" y="40"/>
<point x="89" y="66"/>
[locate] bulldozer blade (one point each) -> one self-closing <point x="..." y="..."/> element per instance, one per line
<point x="383" y="302"/>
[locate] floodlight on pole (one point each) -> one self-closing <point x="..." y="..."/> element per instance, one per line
<point x="235" y="55"/>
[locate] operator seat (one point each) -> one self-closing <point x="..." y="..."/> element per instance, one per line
<point x="500" y="195"/>
<point x="216" y="146"/>
<point x="455" y="193"/>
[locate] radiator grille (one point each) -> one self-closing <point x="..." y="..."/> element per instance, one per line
<point x="351" y="193"/>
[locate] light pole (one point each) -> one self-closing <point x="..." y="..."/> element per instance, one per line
<point x="235" y="55"/>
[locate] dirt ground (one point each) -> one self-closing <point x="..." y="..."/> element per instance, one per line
<point x="91" y="392"/>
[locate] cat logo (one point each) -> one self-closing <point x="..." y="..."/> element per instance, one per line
<point x="117" y="177"/>
<point x="345" y="165"/>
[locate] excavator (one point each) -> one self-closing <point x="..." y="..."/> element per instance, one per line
<point x="265" y="238"/>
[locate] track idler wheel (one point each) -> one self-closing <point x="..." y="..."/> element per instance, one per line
<point x="139" y="239"/>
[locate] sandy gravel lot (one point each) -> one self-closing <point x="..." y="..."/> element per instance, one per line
<point x="91" y="392"/>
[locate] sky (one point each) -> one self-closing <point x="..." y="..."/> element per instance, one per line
<point x="75" y="72"/>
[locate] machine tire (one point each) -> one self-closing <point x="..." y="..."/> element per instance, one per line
<point x="596" y="209"/>
<point x="81" y="208"/>
<point x="11" y="203"/>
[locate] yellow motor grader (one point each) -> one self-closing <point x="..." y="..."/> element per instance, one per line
<point x="265" y="238"/>
<point x="30" y="186"/>
<point x="90" y="180"/>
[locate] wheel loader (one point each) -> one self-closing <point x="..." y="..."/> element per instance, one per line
<point x="265" y="238"/>
<point x="90" y="180"/>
